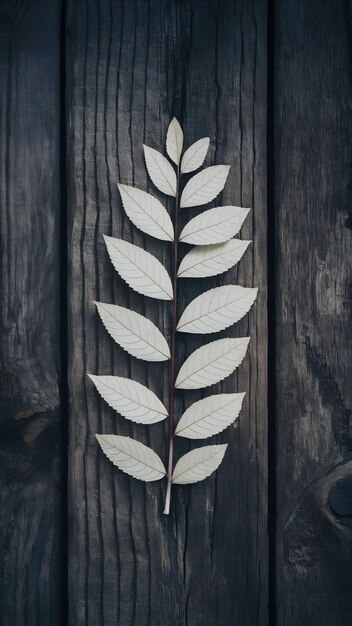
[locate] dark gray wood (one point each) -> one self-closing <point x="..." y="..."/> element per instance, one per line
<point x="30" y="574"/>
<point x="312" y="120"/>
<point x="130" y="67"/>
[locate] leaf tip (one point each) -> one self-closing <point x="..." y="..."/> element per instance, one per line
<point x="222" y="449"/>
<point x="107" y="239"/>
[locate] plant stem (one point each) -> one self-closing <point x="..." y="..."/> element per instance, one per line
<point x="172" y="350"/>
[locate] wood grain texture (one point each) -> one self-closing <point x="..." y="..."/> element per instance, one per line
<point x="30" y="575"/>
<point x="312" y="119"/>
<point x="130" y="67"/>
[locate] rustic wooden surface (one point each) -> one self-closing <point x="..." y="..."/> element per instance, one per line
<point x="30" y="574"/>
<point x="312" y="119"/>
<point x="130" y="67"/>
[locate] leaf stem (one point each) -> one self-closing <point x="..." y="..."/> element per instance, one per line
<point x="173" y="349"/>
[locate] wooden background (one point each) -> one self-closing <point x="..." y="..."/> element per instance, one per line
<point x="268" y="539"/>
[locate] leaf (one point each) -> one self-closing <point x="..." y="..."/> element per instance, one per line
<point x="160" y="171"/>
<point x="211" y="363"/>
<point x="194" y="155"/>
<point x="204" y="261"/>
<point x="198" y="464"/>
<point x="131" y="399"/>
<point x="204" y="186"/>
<point x="174" y="141"/>
<point x="141" y="270"/>
<point x="133" y="332"/>
<point x="214" y="226"/>
<point x="210" y="416"/>
<point x="147" y="213"/>
<point x="132" y="457"/>
<point x="217" y="309"/>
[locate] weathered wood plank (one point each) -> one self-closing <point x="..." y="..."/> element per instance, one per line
<point x="30" y="575"/>
<point x="312" y="119"/>
<point x="130" y="66"/>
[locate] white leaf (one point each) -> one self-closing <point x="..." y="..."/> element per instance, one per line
<point x="141" y="270"/>
<point x="198" y="464"/>
<point x="133" y="332"/>
<point x="174" y="141"/>
<point x="203" y="261"/>
<point x="132" y="457"/>
<point x="211" y="363"/>
<point x="131" y="399"/>
<point x="195" y="155"/>
<point x="214" y="226"/>
<point x="160" y="171"/>
<point x="210" y="416"/>
<point x="217" y="309"/>
<point x="147" y="213"/>
<point x="204" y="186"/>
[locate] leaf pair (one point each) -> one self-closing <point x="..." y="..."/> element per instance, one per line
<point x="211" y="227"/>
<point x="193" y="157"/>
<point x="211" y="312"/>
<point x="146" y="275"/>
<point x="202" y="188"/>
<point x="139" y="461"/>
<point x="139" y="404"/>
